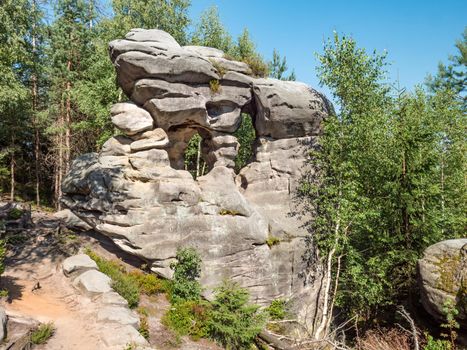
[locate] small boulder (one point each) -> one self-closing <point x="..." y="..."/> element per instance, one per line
<point x="118" y="314"/>
<point x="78" y="263"/>
<point x="113" y="298"/>
<point x="122" y="336"/>
<point x="443" y="278"/>
<point x="130" y="118"/>
<point x="93" y="283"/>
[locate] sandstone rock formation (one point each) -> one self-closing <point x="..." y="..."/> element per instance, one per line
<point x="443" y="279"/>
<point x="137" y="192"/>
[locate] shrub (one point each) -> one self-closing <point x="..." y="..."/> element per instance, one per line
<point x="149" y="283"/>
<point x="257" y="65"/>
<point x="187" y="269"/>
<point x="43" y="333"/>
<point x="233" y="322"/>
<point x="188" y="318"/>
<point x="276" y="310"/>
<point x="127" y="288"/>
<point x="436" y="344"/>
<point x="214" y="85"/>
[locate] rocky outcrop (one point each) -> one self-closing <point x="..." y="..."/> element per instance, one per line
<point x="443" y="279"/>
<point x="137" y="192"/>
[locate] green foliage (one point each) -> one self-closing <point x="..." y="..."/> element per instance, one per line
<point x="385" y="190"/>
<point x="277" y="309"/>
<point x="148" y="283"/>
<point x="436" y="344"/>
<point x="127" y="288"/>
<point x="272" y="241"/>
<point x="2" y="256"/>
<point x="450" y="311"/>
<point x="192" y="156"/>
<point x="234" y="322"/>
<point x="245" y="135"/>
<point x="188" y="318"/>
<point x="453" y="76"/>
<point x="43" y="333"/>
<point x="128" y="284"/>
<point x="187" y="270"/>
<point x="209" y="31"/>
<point x="278" y="67"/>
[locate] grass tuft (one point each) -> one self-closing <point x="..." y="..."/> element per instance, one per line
<point x="43" y="333"/>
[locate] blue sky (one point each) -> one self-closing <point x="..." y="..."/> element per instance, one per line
<point x="417" y="34"/>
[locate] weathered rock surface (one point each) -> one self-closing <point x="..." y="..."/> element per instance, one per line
<point x="443" y="278"/>
<point x="70" y="220"/>
<point x="137" y="192"/>
<point x="3" y="323"/>
<point x="92" y="283"/>
<point x="118" y="314"/>
<point x="78" y="263"/>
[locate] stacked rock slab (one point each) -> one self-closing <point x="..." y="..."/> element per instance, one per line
<point x="137" y="192"/>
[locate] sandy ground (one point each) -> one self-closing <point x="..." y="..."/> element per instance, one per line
<point x="38" y="261"/>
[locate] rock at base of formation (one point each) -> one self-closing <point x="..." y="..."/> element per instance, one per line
<point x="443" y="279"/>
<point x="137" y="192"/>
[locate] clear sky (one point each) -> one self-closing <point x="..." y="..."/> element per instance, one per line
<point x="417" y="34"/>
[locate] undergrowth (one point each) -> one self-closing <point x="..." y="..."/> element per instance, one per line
<point x="128" y="284"/>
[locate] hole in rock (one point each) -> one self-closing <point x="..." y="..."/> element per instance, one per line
<point x="194" y="162"/>
<point x="246" y="136"/>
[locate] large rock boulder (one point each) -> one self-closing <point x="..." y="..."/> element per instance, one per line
<point x="137" y="192"/>
<point x="443" y="279"/>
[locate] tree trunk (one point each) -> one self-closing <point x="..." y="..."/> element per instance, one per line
<point x="67" y="122"/>
<point x="12" y="176"/>
<point x="198" y="159"/>
<point x="34" y="112"/>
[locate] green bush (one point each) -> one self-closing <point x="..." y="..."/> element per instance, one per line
<point x="129" y="284"/>
<point x="233" y="321"/>
<point x="188" y="318"/>
<point x="127" y="288"/>
<point x="187" y="269"/>
<point x="436" y="344"/>
<point x="148" y="283"/>
<point x="276" y="310"/>
<point x="43" y="333"/>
